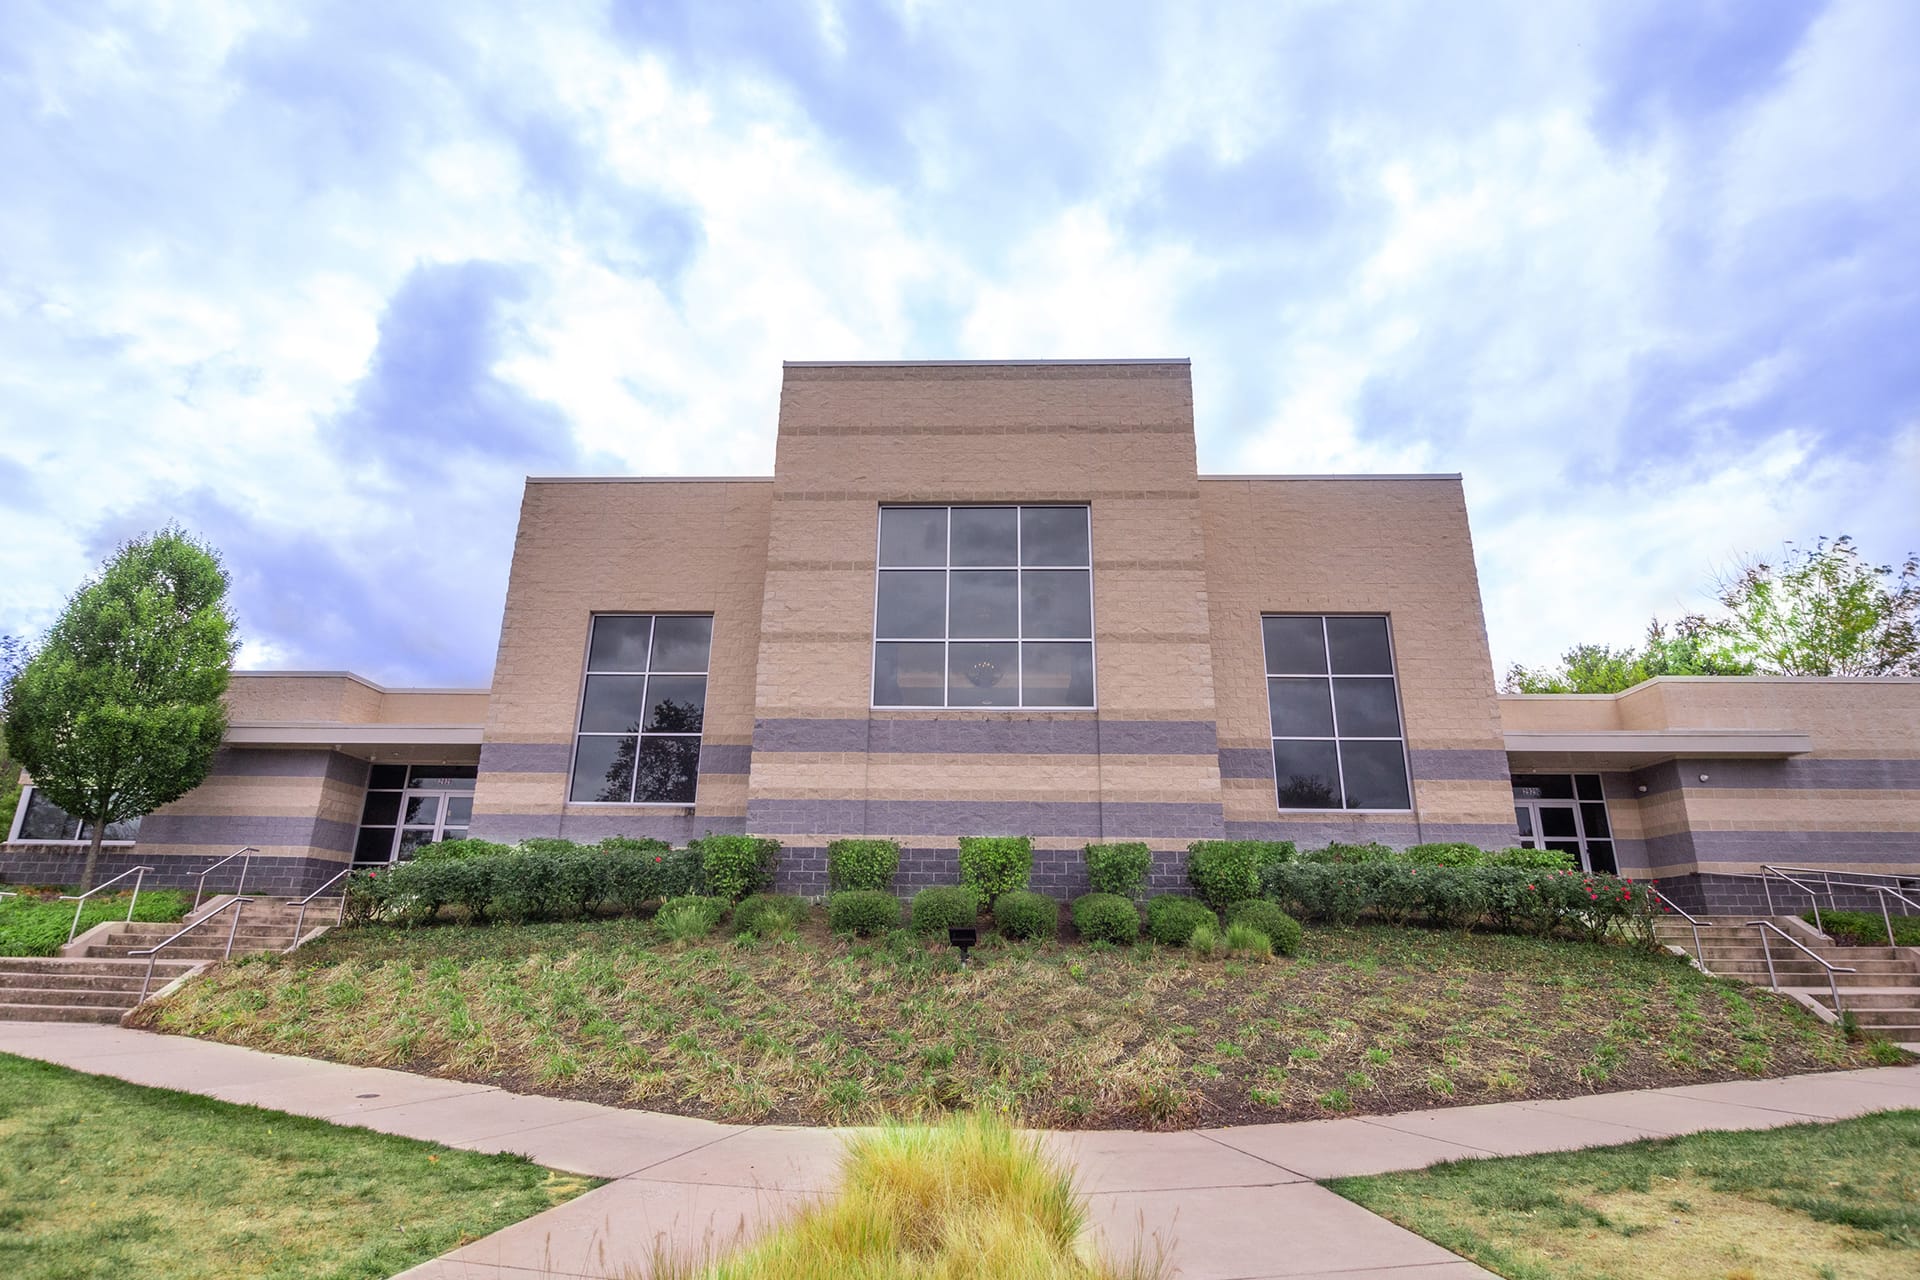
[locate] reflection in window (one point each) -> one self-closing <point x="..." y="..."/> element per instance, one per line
<point x="408" y="806"/>
<point x="39" y="818"/>
<point x="642" y="710"/>
<point x="1566" y="812"/>
<point x="983" y="607"/>
<point x="1334" y="705"/>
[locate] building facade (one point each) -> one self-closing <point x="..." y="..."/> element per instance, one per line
<point x="1000" y="598"/>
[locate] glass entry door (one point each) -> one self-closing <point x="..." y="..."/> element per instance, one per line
<point x="1565" y="812"/>
<point x="409" y="806"/>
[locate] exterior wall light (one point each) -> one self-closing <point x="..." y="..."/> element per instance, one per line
<point x="964" y="940"/>
<point x="1643" y="788"/>
<point x="1703" y="777"/>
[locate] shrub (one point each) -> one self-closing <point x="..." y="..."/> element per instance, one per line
<point x="1171" y="918"/>
<point x="361" y="906"/>
<point x="862" y="864"/>
<point x="688" y="918"/>
<point x="1107" y="917"/>
<point x="762" y="915"/>
<point x="1867" y="929"/>
<point x="637" y="872"/>
<point x="460" y="850"/>
<point x="1206" y="940"/>
<point x="1021" y="913"/>
<point x="1334" y="892"/>
<point x="1118" y="868"/>
<point x="683" y="873"/>
<point x="937" y="910"/>
<point x="863" y="912"/>
<point x="1244" y="939"/>
<point x="993" y="865"/>
<point x="1283" y="932"/>
<point x="1228" y="871"/>
<point x="578" y="882"/>
<point x="735" y="866"/>
<point x="1337" y="852"/>
<point x="1533" y="859"/>
<point x="1446" y="853"/>
<point x="549" y="845"/>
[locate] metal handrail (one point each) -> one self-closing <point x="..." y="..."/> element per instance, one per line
<point x="301" y="919"/>
<point x="246" y="854"/>
<point x="1887" y="919"/>
<point x="1844" y="876"/>
<point x="1698" y="952"/>
<point x="152" y="953"/>
<point x="1773" y="980"/>
<point x="79" y="901"/>
<point x="1766" y="887"/>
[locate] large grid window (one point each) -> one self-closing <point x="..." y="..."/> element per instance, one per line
<point x="642" y="709"/>
<point x="984" y="607"/>
<point x="39" y="820"/>
<point x="1335" y="707"/>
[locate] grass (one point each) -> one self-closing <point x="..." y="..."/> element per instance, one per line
<point x="1816" y="1200"/>
<point x="811" y="1029"/>
<point x="1868" y="928"/>
<point x="107" y="1179"/>
<point x="967" y="1199"/>
<point x="37" y="924"/>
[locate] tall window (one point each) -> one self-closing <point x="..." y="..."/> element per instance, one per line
<point x="39" y="820"/>
<point x="1331" y="694"/>
<point x="983" y="607"/>
<point x="642" y="709"/>
<point x="408" y="806"/>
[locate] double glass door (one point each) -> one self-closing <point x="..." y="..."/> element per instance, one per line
<point x="1565" y="812"/>
<point x="408" y="806"/>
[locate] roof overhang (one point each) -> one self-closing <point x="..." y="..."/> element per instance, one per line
<point x="269" y="734"/>
<point x="1636" y="748"/>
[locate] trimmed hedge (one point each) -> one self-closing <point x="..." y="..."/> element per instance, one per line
<point x="1107" y="917"/>
<point x="863" y="912"/>
<point x="736" y="866"/>
<point x="993" y="865"/>
<point x="1224" y="872"/>
<point x="1172" y="918"/>
<point x="544" y="879"/>
<point x="1440" y="854"/>
<point x="1021" y="913"/>
<point x="1516" y="898"/>
<point x="460" y="850"/>
<point x="1281" y="929"/>
<point x="862" y="864"/>
<point x="762" y="915"/>
<point x="1118" y="868"/>
<point x="938" y="909"/>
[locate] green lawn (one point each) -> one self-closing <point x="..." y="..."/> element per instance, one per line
<point x="100" y="1178"/>
<point x="37" y="923"/>
<point x="1820" y="1201"/>
<point x="815" y="1029"/>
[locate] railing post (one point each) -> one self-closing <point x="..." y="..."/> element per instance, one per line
<point x="1767" y="949"/>
<point x="1699" y="953"/>
<point x="139" y="874"/>
<point x="234" y="927"/>
<point x="149" y="980"/>
<point x="1885" y="917"/>
<point x="78" y="907"/>
<point x="1816" y="904"/>
<point x="1766" y="887"/>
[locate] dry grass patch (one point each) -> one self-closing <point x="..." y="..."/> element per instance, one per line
<point x="815" y="1029"/>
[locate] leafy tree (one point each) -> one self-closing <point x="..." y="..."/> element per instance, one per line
<point x="1823" y="612"/>
<point x="120" y="709"/>
<point x="1599" y="668"/>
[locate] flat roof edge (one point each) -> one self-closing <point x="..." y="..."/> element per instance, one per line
<point x="1339" y="475"/>
<point x="935" y="364"/>
<point x="649" y="479"/>
<point x="358" y="679"/>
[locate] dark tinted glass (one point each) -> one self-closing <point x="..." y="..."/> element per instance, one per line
<point x="1295" y="646"/>
<point x="1057" y="675"/>
<point x="387" y="777"/>
<point x="1376" y="775"/>
<point x="619" y="643"/>
<point x="128" y="830"/>
<point x="1571" y="847"/>
<point x="681" y="643"/>
<point x="1594" y="818"/>
<point x="1053" y="536"/>
<point x="443" y="777"/>
<point x="459" y="811"/>
<point x="1056" y="604"/>
<point x="1359" y="646"/>
<point x="1300" y="708"/>
<point x="1588" y="785"/>
<point x="603" y="770"/>
<point x="612" y="704"/>
<point x="983" y="675"/>
<point x="668" y="768"/>
<point x="909" y="675"/>
<point x="412" y="840"/>
<point x="1557" y="822"/>
<point x="985" y="535"/>
<point x="675" y="704"/>
<point x="913" y="537"/>
<point x="422" y="810"/>
<point x="985" y="603"/>
<point x="1523" y="819"/>
<point x="911" y="606"/>
<point x="45" y="820"/>
<point x="1306" y="775"/>
<point x="1366" y="709"/>
<point x="382" y="808"/>
<point x="1600" y="857"/>
<point x="375" y="844"/>
<point x="1543" y="786"/>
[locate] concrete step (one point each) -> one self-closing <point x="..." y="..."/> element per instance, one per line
<point x="1806" y="978"/>
<point x="147" y="935"/>
<point x="181" y="950"/>
<point x="68" y="997"/>
<point x="63" y="964"/>
<point x="58" y="1013"/>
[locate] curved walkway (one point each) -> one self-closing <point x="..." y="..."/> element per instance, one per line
<point x="1238" y="1203"/>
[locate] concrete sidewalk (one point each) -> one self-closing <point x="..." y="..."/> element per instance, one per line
<point x="1227" y="1204"/>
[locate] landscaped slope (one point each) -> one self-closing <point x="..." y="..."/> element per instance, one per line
<point x="815" y="1029"/>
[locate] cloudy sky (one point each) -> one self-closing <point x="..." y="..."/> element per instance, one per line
<point x="324" y="282"/>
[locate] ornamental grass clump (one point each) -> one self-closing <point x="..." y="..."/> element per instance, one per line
<point x="768" y="915"/>
<point x="1282" y="931"/>
<point x="965" y="1199"/>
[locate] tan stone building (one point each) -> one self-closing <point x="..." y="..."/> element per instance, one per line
<point x="1000" y="598"/>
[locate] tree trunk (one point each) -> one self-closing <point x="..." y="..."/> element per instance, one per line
<point x="93" y="855"/>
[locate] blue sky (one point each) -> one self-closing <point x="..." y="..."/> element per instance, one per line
<point x="324" y="282"/>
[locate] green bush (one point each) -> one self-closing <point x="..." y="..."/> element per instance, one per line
<point x="947" y="906"/>
<point x="35" y="926"/>
<point x="1533" y="901"/>
<point x="735" y="866"/>
<point x="1171" y="918"/>
<point x="1228" y="871"/>
<point x="460" y="850"/>
<point x="1107" y="917"/>
<point x="548" y="845"/>
<point x="1118" y="868"/>
<point x="1339" y="853"/>
<point x="863" y="912"/>
<point x="993" y="865"/>
<point x="862" y="864"/>
<point x="1335" y="892"/>
<point x="689" y="918"/>
<point x="1445" y="853"/>
<point x="637" y="872"/>
<point x="761" y="915"/>
<point x="1282" y="930"/>
<point x="1867" y="929"/>
<point x="522" y="885"/>
<point x="1021" y="913"/>
<point x="578" y="883"/>
<point x="1531" y="859"/>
